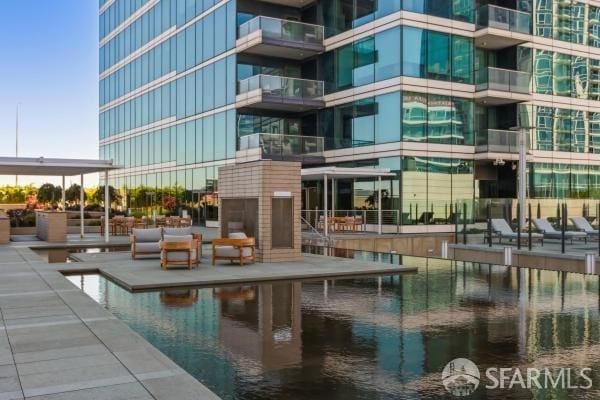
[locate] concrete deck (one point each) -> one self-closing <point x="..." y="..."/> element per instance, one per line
<point x="147" y="275"/>
<point x="547" y="257"/>
<point x="58" y="343"/>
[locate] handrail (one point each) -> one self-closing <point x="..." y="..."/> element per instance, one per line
<point x="274" y="143"/>
<point x="283" y="86"/>
<point x="502" y="79"/>
<point x="493" y="16"/>
<point x="258" y="23"/>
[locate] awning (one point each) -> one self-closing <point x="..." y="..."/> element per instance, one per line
<point x="309" y="174"/>
<point x="42" y="166"/>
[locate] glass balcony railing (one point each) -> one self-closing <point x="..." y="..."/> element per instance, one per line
<point x="504" y="80"/>
<point x="497" y="141"/>
<point x="281" y="29"/>
<point x="280" y="86"/>
<point x="491" y="16"/>
<point x="273" y="144"/>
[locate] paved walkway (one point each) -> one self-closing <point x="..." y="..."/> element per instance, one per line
<point x="57" y="343"/>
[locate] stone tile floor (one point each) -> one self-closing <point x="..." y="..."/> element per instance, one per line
<point x="57" y="343"/>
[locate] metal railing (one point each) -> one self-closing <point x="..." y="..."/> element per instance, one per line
<point x="281" y="29"/>
<point x="440" y="213"/>
<point x="284" y="87"/>
<point x="497" y="141"/>
<point x="508" y="19"/>
<point x="505" y="80"/>
<point x="282" y="145"/>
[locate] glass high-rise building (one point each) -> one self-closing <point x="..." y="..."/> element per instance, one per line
<point x="432" y="89"/>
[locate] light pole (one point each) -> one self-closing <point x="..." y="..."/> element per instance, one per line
<point x="17" y="143"/>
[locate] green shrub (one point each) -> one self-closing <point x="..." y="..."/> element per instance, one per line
<point x="29" y="219"/>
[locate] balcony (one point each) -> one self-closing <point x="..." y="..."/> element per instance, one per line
<point x="499" y="27"/>
<point x="498" y="141"/>
<point x="281" y="38"/>
<point x="279" y="93"/>
<point x="272" y="146"/>
<point x="496" y="86"/>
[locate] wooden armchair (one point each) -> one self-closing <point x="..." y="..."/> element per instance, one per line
<point x="234" y="249"/>
<point x="179" y="251"/>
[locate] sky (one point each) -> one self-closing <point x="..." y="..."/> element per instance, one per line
<point x="49" y="66"/>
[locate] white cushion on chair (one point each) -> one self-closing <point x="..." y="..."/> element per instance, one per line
<point x="147" y="235"/>
<point x="177" y="231"/>
<point x="147" y="247"/>
<point x="178" y="255"/>
<point x="237" y="235"/>
<point x="230" y="251"/>
<point x="178" y="238"/>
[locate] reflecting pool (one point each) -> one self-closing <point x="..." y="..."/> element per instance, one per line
<point x="372" y="338"/>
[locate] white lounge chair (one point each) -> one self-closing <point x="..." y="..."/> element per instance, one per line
<point x="501" y="228"/>
<point x="549" y="232"/>
<point x="584" y="226"/>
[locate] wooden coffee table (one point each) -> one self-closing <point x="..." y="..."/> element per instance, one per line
<point x="187" y="246"/>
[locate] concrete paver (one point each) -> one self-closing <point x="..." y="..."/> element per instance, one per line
<point x="57" y="343"/>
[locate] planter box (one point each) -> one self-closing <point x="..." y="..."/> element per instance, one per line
<point x="22" y="230"/>
<point x="51" y="226"/>
<point x="4" y="230"/>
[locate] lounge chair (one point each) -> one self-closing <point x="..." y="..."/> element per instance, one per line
<point x="501" y="228"/>
<point x="549" y="232"/>
<point x="237" y="247"/>
<point x="179" y="251"/>
<point x="584" y="226"/>
<point x="145" y="242"/>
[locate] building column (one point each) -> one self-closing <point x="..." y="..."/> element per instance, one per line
<point x="63" y="194"/>
<point x="522" y="178"/>
<point x="326" y="194"/>
<point x="379" y="213"/>
<point x="81" y="211"/>
<point x="333" y="197"/>
<point x="106" y="207"/>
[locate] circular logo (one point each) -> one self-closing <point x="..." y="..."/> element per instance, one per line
<point x="460" y="377"/>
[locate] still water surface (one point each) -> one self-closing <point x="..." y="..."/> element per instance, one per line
<point x="370" y="338"/>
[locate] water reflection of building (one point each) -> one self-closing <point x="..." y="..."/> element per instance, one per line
<point x="265" y="326"/>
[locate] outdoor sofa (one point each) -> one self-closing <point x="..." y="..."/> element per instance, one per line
<point x="146" y="242"/>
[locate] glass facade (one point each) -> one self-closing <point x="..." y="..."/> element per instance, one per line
<point x="172" y="80"/>
<point x="167" y="95"/>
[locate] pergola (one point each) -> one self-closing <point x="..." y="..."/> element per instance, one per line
<point x="325" y="173"/>
<point x="41" y="166"/>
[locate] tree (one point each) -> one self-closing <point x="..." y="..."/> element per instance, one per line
<point x="372" y="200"/>
<point x="49" y="194"/>
<point x="114" y="195"/>
<point x="73" y="194"/>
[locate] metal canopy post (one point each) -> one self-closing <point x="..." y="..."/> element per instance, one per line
<point x="379" y="212"/>
<point x="333" y="197"/>
<point x="81" y="200"/>
<point x="63" y="194"/>
<point x="106" y="207"/>
<point x="326" y="194"/>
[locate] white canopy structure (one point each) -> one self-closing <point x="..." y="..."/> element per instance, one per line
<point x="325" y="173"/>
<point x="42" y="166"/>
